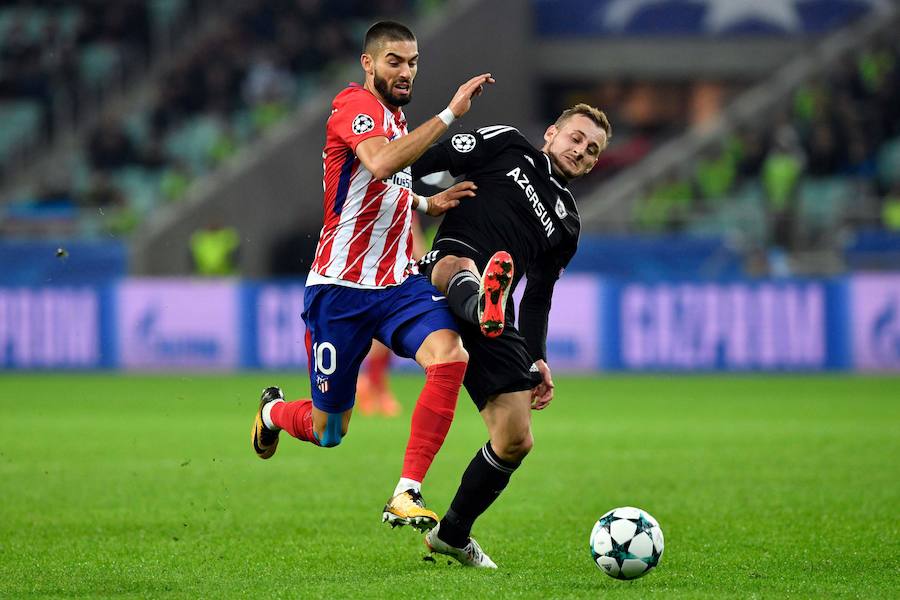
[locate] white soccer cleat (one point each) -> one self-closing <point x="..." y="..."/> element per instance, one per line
<point x="470" y="556"/>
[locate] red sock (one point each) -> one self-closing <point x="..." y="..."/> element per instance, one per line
<point x="432" y="417"/>
<point x="295" y="418"/>
<point x="378" y="366"/>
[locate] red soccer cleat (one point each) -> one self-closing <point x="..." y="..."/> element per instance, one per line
<point x="495" y="283"/>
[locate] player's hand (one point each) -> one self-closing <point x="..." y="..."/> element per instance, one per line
<point x="462" y="101"/>
<point x="449" y="198"/>
<point x="542" y="394"/>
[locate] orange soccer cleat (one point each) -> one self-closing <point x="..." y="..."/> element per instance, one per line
<point x="495" y="283"/>
<point x="367" y="400"/>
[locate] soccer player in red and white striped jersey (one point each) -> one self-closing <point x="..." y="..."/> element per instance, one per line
<point x="362" y="285"/>
<point x="366" y="239"/>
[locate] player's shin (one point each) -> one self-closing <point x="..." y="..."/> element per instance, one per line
<point x="484" y="479"/>
<point x="462" y="296"/>
<point x="295" y="418"/>
<point x="432" y="417"/>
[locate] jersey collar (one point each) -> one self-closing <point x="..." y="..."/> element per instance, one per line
<point x="399" y="117"/>
<point x="560" y="182"/>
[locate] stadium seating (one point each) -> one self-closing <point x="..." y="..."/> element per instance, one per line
<point x="827" y="164"/>
<point x="224" y="91"/>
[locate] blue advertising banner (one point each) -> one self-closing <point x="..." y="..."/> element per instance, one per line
<point x="711" y="326"/>
<point x="274" y="332"/>
<point x="875" y="301"/>
<point x="177" y="324"/>
<point x="595" y="324"/>
<point x="55" y="328"/>
<point x="575" y="332"/>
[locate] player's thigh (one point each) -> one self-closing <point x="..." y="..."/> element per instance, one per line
<point x="497" y="365"/>
<point x="416" y="310"/>
<point x="339" y="332"/>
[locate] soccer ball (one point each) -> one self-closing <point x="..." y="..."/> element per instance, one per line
<point x="626" y="543"/>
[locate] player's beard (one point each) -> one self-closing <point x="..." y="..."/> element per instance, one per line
<point x="382" y="86"/>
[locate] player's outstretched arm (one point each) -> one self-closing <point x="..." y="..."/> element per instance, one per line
<point x="449" y="198"/>
<point x="383" y="158"/>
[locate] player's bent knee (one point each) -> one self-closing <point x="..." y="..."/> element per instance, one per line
<point x="328" y="441"/>
<point x="447" y="267"/>
<point x="516" y="447"/>
<point x="334" y="432"/>
<point x="457" y="354"/>
<point x="443" y="346"/>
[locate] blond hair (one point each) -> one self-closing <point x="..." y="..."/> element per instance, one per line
<point x="594" y="114"/>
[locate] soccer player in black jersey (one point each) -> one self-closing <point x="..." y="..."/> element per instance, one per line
<point x="524" y="222"/>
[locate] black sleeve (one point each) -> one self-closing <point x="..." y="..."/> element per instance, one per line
<point x="534" y="310"/>
<point x="464" y="152"/>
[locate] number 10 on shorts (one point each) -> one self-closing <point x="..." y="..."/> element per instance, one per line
<point x="326" y="357"/>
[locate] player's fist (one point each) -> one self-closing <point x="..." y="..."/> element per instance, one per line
<point x="449" y="198"/>
<point x="462" y="101"/>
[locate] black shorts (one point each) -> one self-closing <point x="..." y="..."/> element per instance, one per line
<point x="496" y="365"/>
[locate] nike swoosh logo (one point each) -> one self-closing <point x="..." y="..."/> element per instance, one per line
<point x="438" y="298"/>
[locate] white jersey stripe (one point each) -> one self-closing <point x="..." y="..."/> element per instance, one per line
<point x="376" y="243"/>
<point x="490" y="128"/>
<point x="405" y="215"/>
<point x="367" y="243"/>
<point x="360" y="182"/>
<point x="349" y="242"/>
<point x="496" y="132"/>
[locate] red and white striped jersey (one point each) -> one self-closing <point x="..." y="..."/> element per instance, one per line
<point x="366" y="240"/>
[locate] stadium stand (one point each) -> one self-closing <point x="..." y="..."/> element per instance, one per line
<point x="794" y="185"/>
<point x="818" y="171"/>
<point x="226" y="89"/>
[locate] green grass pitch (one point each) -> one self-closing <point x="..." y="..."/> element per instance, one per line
<point x="129" y="486"/>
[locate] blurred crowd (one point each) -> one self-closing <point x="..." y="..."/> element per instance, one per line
<point x="828" y="161"/>
<point x="58" y="55"/>
<point x="229" y="87"/>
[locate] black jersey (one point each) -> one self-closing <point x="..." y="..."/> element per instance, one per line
<point x="521" y="206"/>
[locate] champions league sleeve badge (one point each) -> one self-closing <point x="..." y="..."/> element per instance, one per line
<point x="463" y="142"/>
<point x="362" y="123"/>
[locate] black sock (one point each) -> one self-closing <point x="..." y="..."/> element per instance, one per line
<point x="484" y="479"/>
<point x="462" y="295"/>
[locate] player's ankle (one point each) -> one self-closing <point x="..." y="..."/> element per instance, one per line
<point x="267" y="415"/>
<point x="453" y="531"/>
<point x="405" y="484"/>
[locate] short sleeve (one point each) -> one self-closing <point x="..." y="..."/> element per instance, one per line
<point x="469" y="150"/>
<point x="466" y="151"/>
<point x="361" y="117"/>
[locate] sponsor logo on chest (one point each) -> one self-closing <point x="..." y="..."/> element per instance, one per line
<point x="402" y="178"/>
<point x="532" y="198"/>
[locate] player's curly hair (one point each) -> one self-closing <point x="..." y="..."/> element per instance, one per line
<point x="594" y="114"/>
<point x="387" y="31"/>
